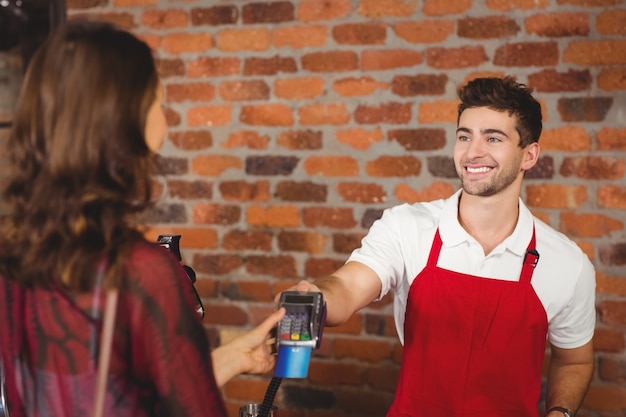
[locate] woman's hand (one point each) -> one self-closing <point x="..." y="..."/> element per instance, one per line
<point x="249" y="353"/>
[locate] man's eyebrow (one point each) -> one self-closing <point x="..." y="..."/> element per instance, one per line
<point x="483" y="131"/>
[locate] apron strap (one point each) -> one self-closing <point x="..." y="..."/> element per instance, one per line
<point x="531" y="258"/>
<point x="434" y="250"/>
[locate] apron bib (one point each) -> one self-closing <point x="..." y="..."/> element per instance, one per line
<point x="473" y="346"/>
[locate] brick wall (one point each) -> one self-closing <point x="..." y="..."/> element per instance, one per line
<point x="293" y="124"/>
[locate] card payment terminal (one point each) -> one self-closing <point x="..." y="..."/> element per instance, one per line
<point x="299" y="332"/>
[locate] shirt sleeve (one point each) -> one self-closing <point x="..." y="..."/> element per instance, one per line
<point x="169" y="345"/>
<point x="574" y="325"/>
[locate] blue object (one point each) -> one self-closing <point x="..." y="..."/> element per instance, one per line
<point x="292" y="362"/>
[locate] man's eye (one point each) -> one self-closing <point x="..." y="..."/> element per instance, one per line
<point x="463" y="138"/>
<point x="493" y="139"/>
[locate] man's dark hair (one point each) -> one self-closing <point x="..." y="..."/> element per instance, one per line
<point x="505" y="94"/>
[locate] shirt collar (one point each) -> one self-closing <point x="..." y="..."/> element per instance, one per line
<point x="453" y="234"/>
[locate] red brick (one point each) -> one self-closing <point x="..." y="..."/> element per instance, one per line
<point x="331" y="166"/>
<point x="170" y="67"/>
<point x="371" y="351"/>
<point x="176" y="43"/>
<point x="590" y="3"/>
<point x="353" y="326"/>
<point x="382" y="8"/>
<point x="273" y="216"/>
<point x="360" y="33"/>
<point x="165" y="18"/>
<point x="299" y="36"/>
<point x="359" y="138"/>
<point x="481" y="74"/>
<point x="247" y="239"/>
<point x="247" y="291"/>
<point x="612" y="370"/>
<point x="438" y="111"/>
<point x="346" y="243"/>
<point x="584" y="109"/>
<point x="308" y="242"/>
<point x="612" y="79"/>
<point x="556" y="196"/>
<point x="607" y="340"/>
<point x="153" y="41"/>
<point x="510" y="5"/>
<point x="269" y="66"/>
<point x="316" y="267"/>
<point x="551" y="81"/>
<point x="331" y="61"/>
<point x="333" y="374"/>
<point x="133" y="3"/>
<point x="190" y="189"/>
<point x="424" y="31"/>
<point x="527" y="54"/>
<point x="555" y="25"/>
<point x="610" y="139"/>
<point x="267" y="115"/>
<point x="337" y="218"/>
<point x="244" y="90"/>
<point x="376" y="60"/>
<point x="267" y="12"/>
<point x="566" y="138"/>
<point x="214" y="165"/>
<point x="610" y="285"/>
<point x="246" y="139"/>
<point x="613" y="254"/>
<point x="383" y="378"/>
<point x="315" y="10"/>
<point x="273" y="266"/>
<point x="191" y="237"/>
<point x="213" y="16"/>
<point x="323" y="114"/>
<point x="450" y="58"/>
<point x="612" y="22"/>
<point x="190" y="91"/>
<point x="301" y="191"/>
<point x="363" y="86"/>
<point x="258" y="164"/>
<point x="613" y="312"/>
<point x="434" y="191"/>
<point x="602" y="52"/>
<point x="487" y="27"/>
<point x="225" y="315"/>
<point x="357" y="192"/>
<point x="593" y="167"/>
<point x="396" y="113"/>
<point x="192" y="140"/>
<point x="172" y="117"/>
<point x="394" y="166"/>
<point x="121" y="20"/>
<point x="420" y="84"/>
<point x="243" y="191"/>
<point x="422" y="139"/>
<point x="299" y="88"/>
<point x="300" y="139"/>
<point x="439" y="8"/>
<point x="213" y="67"/>
<point x="216" y="214"/>
<point x="588" y="225"/>
<point x="209" y="116"/>
<point x="612" y="196"/>
<point x="242" y="40"/>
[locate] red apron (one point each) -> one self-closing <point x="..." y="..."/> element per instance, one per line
<point x="472" y="346"/>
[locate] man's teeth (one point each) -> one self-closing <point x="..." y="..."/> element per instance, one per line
<point x="478" y="170"/>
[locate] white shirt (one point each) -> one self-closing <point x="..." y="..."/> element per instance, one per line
<point x="398" y="244"/>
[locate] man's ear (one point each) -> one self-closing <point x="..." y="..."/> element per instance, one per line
<point x="531" y="156"/>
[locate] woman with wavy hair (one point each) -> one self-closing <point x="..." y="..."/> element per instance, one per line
<point x="88" y="123"/>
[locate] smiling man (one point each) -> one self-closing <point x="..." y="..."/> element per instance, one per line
<point x="481" y="286"/>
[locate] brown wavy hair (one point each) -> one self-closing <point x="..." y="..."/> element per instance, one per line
<point x="80" y="169"/>
<point x="505" y="94"/>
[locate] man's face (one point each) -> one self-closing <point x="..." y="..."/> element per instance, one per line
<point x="487" y="155"/>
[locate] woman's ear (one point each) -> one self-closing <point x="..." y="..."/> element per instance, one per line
<point x="531" y="156"/>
